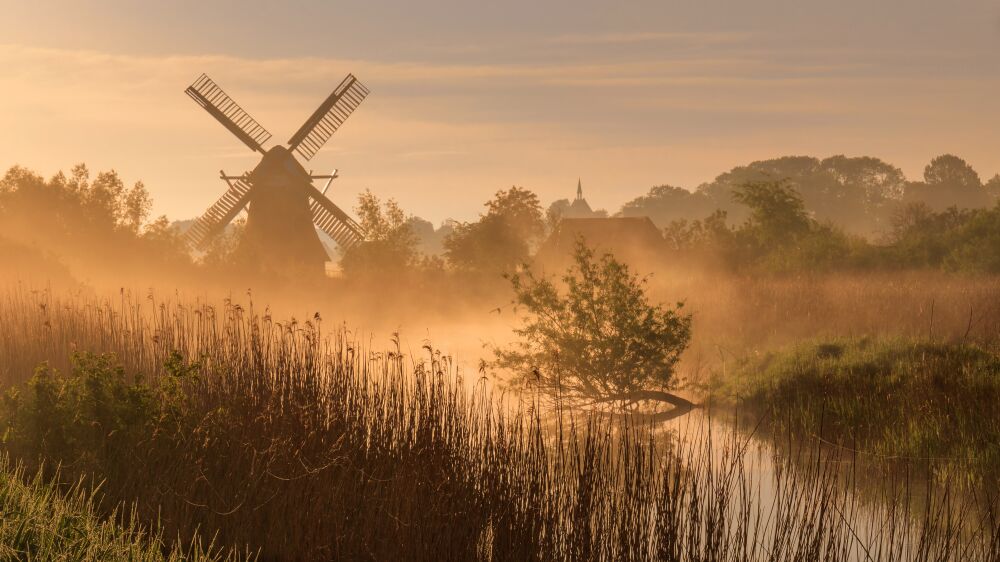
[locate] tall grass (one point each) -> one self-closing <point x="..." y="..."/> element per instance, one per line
<point x="271" y="436"/>
<point x="740" y="315"/>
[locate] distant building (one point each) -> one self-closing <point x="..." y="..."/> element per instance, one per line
<point x="633" y="240"/>
<point x="577" y="209"/>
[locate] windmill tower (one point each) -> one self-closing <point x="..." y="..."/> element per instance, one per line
<point x="281" y="201"/>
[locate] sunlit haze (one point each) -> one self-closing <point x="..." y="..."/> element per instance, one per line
<point x="468" y="98"/>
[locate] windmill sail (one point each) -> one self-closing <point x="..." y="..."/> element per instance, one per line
<point x="335" y="222"/>
<point x="328" y="117"/>
<point x="219" y="214"/>
<point x="215" y="101"/>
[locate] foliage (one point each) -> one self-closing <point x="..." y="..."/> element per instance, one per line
<point x="76" y="218"/>
<point x="502" y="238"/>
<point x="949" y="181"/>
<point x="599" y="340"/>
<point x="992" y="187"/>
<point x="488" y="246"/>
<point x="950" y="170"/>
<point x="665" y="204"/>
<point x="699" y="235"/>
<point x="390" y="245"/>
<point x="858" y="194"/>
<point x="777" y="236"/>
<point x="520" y="210"/>
<point x="555" y="212"/>
<point x="780" y="236"/>
<point x="430" y="240"/>
<point x="777" y="213"/>
<point x="75" y="204"/>
<point x="957" y="240"/>
<point x="221" y="251"/>
<point x="896" y="398"/>
<point x="93" y="414"/>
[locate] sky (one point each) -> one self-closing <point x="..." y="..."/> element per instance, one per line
<point x="471" y="97"/>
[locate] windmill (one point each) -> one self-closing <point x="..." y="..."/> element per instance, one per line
<point x="281" y="201"/>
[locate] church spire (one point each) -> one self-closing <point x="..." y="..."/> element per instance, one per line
<point x="579" y="189"/>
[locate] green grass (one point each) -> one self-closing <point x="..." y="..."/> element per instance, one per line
<point x="914" y="400"/>
<point x="38" y="522"/>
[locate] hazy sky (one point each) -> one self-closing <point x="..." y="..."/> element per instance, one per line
<point x="471" y="97"/>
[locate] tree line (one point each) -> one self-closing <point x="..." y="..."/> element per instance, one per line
<point x="785" y="214"/>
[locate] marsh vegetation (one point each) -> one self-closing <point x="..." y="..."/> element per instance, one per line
<point x="849" y="380"/>
<point x="245" y="428"/>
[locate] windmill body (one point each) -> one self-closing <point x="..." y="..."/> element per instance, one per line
<point x="283" y="207"/>
<point x="280" y="235"/>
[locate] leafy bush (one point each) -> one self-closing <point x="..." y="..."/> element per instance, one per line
<point x="601" y="340"/>
<point x="94" y="414"/>
<point x="959" y="240"/>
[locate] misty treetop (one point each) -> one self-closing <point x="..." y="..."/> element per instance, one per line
<point x="780" y="235"/>
<point x="390" y="244"/>
<point x="858" y="194"/>
<point x="81" y="218"/>
<point x="502" y="238"/>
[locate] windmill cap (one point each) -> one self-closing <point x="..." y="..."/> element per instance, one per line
<point x="279" y="160"/>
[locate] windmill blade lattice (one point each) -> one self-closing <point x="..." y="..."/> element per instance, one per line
<point x="335" y="222"/>
<point x="328" y="117"/>
<point x="219" y="214"/>
<point x="215" y="101"/>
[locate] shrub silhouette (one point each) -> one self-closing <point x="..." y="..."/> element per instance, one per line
<point x="600" y="341"/>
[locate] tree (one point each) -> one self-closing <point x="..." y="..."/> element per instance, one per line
<point x="78" y="218"/>
<point x="520" y="209"/>
<point x="220" y="253"/>
<point x="699" y="236"/>
<point x="952" y="171"/>
<point x="665" y="204"/>
<point x="777" y="213"/>
<point x="955" y="239"/>
<point x="137" y="204"/>
<point x="430" y="240"/>
<point x="487" y="246"/>
<point x="781" y="236"/>
<point x="556" y="211"/>
<point x="949" y="181"/>
<point x="879" y="180"/>
<point x="993" y="187"/>
<point x="389" y="247"/>
<point x="857" y="193"/>
<point x="502" y="238"/>
<point x="599" y="341"/>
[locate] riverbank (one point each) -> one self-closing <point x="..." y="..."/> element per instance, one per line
<point x="897" y="399"/>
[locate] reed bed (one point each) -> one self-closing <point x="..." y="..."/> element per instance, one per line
<point x="297" y="444"/>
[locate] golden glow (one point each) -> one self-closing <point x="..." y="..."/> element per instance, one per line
<point x="623" y="108"/>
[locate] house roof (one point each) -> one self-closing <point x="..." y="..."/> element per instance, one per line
<point x="623" y="237"/>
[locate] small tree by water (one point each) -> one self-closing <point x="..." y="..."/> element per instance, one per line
<point x="598" y="340"/>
